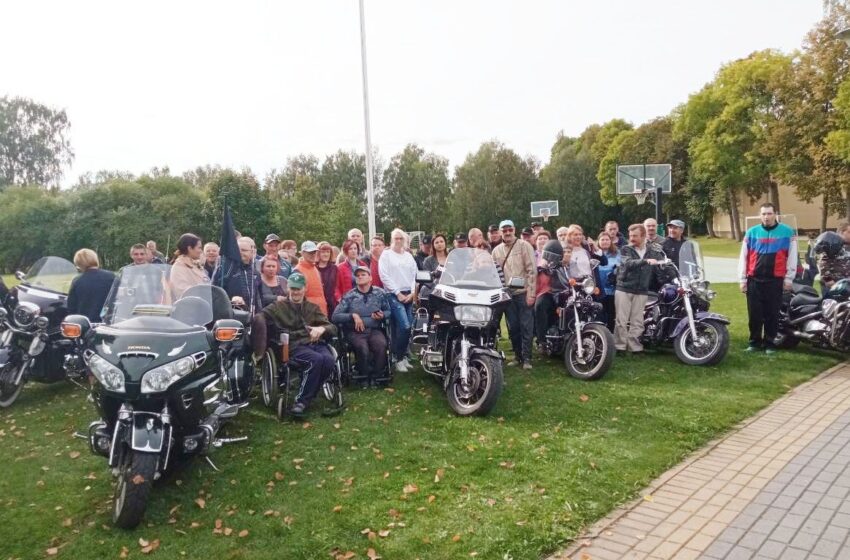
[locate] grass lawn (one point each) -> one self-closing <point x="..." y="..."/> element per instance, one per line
<point x="723" y="247"/>
<point x="556" y="455"/>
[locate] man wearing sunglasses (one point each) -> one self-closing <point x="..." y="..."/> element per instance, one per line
<point x="516" y="257"/>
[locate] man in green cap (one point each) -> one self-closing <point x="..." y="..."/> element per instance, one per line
<point x="306" y="325"/>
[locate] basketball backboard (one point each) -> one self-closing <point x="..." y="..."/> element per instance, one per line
<point x="415" y="238"/>
<point x="634" y="179"/>
<point x="544" y="209"/>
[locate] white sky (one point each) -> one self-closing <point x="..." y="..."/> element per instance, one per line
<point x="253" y="82"/>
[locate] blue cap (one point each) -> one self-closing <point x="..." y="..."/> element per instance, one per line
<point x="506" y="223"/>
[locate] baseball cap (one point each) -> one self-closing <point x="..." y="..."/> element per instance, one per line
<point x="296" y="280"/>
<point x="492" y="227"/>
<point x="527" y="231"/>
<point x="506" y="223"/>
<point x="271" y="238"/>
<point x="426" y="240"/>
<point x="363" y="269"/>
<point x="309" y="247"/>
<point x="461" y="237"/>
<point x="676" y="223"/>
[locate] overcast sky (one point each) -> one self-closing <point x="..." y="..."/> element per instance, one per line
<point x="254" y="82"/>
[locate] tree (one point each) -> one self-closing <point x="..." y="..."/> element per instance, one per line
<point x="31" y="220"/>
<point x="34" y="144"/>
<point x="729" y="124"/>
<point x="570" y="178"/>
<point x="249" y="205"/>
<point x="416" y="187"/>
<point x="492" y="184"/>
<point x="804" y="142"/>
<point x="282" y="182"/>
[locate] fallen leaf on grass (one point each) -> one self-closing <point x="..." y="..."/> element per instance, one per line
<point x="372" y="555"/>
<point x="440" y="474"/>
<point x="278" y="475"/>
<point x="456" y="538"/>
<point x="67" y="522"/>
<point x="151" y="547"/>
<point x="410" y="489"/>
<point x="521" y="523"/>
<point x="506" y="464"/>
<point x="431" y="498"/>
<point x="228" y="531"/>
<point x="584" y="398"/>
<point x="535" y="435"/>
<point x="202" y="503"/>
<point x="124" y="552"/>
<point x="288" y="520"/>
<point x="491" y="502"/>
<point x="52" y="551"/>
<point x="243" y="533"/>
<point x="143" y="543"/>
<point x="384" y="533"/>
<point x="337" y="509"/>
<point x="194" y="525"/>
<point x="394" y="513"/>
<point x="74" y="454"/>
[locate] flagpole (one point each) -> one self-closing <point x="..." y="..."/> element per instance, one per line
<point x="370" y="189"/>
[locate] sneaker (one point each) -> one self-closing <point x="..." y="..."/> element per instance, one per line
<point x="513" y="363"/>
<point x="752" y="348"/>
<point x="526" y="366"/>
<point x="298" y="409"/>
<point x="770" y="351"/>
<point x="407" y="363"/>
<point x="400" y="367"/>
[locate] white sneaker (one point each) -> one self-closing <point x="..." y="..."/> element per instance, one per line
<point x="407" y="363"/>
<point x="401" y="367"/>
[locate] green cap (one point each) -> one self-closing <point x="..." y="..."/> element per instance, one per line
<point x="297" y="280"/>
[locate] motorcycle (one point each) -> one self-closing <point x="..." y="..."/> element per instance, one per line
<point x="458" y="332"/>
<point x="164" y="379"/>
<point x="679" y="313"/>
<point x="822" y="321"/>
<point x="31" y="346"/>
<point x="585" y="341"/>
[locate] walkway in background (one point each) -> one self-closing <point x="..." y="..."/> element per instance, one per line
<point x="774" y="488"/>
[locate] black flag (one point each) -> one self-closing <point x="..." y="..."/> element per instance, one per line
<point x="229" y="256"/>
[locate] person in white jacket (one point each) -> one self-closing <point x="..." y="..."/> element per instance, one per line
<point x="397" y="269"/>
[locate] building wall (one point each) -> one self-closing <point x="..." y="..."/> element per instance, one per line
<point x="807" y="214"/>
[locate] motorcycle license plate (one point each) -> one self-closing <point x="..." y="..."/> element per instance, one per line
<point x="148" y="432"/>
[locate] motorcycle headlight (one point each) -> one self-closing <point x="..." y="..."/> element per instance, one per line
<point x="25" y="314"/>
<point x="588" y="286"/>
<point x="110" y="376"/>
<point x="473" y="314"/>
<point x="160" y="378"/>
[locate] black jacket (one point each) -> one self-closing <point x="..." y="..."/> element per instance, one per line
<point x="88" y="293"/>
<point x="672" y="247"/>
<point x="634" y="274"/>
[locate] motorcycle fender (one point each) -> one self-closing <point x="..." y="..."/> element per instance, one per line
<point x="148" y="432"/>
<point x="587" y="324"/>
<point x="487" y="352"/>
<point x="699" y="318"/>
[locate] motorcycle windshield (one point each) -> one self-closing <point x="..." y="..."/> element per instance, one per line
<point x="141" y="291"/>
<point x="51" y="273"/>
<point x="690" y="260"/>
<point x="470" y="268"/>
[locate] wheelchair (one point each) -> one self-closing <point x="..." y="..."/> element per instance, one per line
<point x="280" y="380"/>
<point x="348" y="362"/>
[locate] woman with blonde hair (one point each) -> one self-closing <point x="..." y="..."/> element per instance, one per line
<point x="397" y="269"/>
<point x="89" y="290"/>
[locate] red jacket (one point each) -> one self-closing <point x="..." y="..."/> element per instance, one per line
<point x="376" y="275"/>
<point x="345" y="278"/>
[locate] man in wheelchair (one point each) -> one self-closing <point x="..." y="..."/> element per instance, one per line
<point x="361" y="313"/>
<point x="306" y="325"/>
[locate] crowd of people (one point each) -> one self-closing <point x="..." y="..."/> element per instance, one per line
<point x="371" y="290"/>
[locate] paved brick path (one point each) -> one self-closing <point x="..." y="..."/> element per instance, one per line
<point x="773" y="488"/>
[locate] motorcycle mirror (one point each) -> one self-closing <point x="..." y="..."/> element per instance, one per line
<point x="75" y="326"/>
<point x="423" y="277"/>
<point x="20" y="275"/>
<point x="516" y="283"/>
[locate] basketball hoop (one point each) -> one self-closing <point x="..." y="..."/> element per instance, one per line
<point x="641" y="196"/>
<point x="545" y="214"/>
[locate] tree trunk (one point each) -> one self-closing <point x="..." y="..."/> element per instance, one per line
<point x="824" y="213"/>
<point x="847" y="203"/>
<point x="734" y="218"/>
<point x="773" y="195"/>
<point x="709" y="225"/>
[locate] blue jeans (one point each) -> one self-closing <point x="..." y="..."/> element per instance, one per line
<point x="402" y="319"/>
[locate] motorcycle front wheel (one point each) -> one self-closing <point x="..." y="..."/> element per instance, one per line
<point x="134" y="486"/>
<point x="709" y="347"/>
<point x="479" y="396"/>
<point x="597" y="353"/>
<point x="9" y="391"/>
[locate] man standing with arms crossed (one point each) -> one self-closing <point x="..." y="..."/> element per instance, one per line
<point x="766" y="267"/>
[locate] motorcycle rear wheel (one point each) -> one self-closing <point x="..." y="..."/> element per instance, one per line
<point x="598" y="348"/>
<point x="134" y="486"/>
<point x="486" y="380"/>
<point x="688" y="353"/>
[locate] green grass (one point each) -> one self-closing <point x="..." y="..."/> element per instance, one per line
<point x="556" y="455"/>
<point x="723" y="247"/>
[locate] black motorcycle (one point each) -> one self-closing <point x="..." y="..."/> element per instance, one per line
<point x="31" y="345"/>
<point x="824" y="322"/>
<point x="164" y="378"/>
<point x="457" y="340"/>
<point x="578" y="334"/>
<point x="679" y="313"/>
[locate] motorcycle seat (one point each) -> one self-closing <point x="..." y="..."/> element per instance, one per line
<point x="805" y="298"/>
<point x="803" y="289"/>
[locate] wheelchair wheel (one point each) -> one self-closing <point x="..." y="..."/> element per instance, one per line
<point x="332" y="389"/>
<point x="269" y="382"/>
